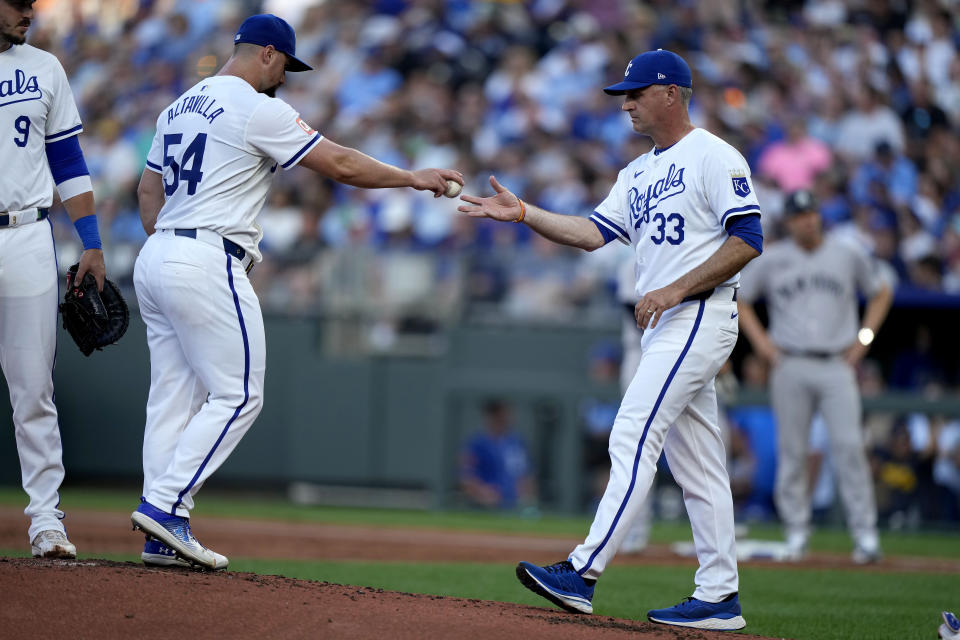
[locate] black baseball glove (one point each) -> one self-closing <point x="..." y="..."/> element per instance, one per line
<point x="93" y="318"/>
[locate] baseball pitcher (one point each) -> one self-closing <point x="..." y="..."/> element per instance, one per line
<point x="208" y="172"/>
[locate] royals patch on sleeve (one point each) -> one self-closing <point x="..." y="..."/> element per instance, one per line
<point x="740" y="185"/>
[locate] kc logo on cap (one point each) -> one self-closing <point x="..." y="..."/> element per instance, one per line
<point x="653" y="67"/>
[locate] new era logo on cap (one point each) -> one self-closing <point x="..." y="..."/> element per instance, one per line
<point x="653" y="67"/>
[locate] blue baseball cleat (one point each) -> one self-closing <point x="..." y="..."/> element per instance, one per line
<point x="720" y="616"/>
<point x="157" y="554"/>
<point x="174" y="533"/>
<point x="560" y="584"/>
<point x="950" y="629"/>
<point x="951" y="621"/>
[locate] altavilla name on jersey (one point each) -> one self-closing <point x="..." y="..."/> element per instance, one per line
<point x="201" y="105"/>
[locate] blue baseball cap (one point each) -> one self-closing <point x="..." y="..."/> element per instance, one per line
<point x="653" y="67"/>
<point x="266" y="29"/>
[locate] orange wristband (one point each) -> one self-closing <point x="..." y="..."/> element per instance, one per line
<point x="523" y="211"/>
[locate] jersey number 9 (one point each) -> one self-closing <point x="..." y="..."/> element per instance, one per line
<point x="22" y="125"/>
<point x="192" y="157"/>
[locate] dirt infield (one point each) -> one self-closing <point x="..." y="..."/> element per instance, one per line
<point x="101" y="599"/>
<point x="106" y="600"/>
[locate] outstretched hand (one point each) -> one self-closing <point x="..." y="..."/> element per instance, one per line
<point x="502" y="206"/>
<point x="435" y="180"/>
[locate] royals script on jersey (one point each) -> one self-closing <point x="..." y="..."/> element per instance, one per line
<point x="217" y="147"/>
<point x="672" y="204"/>
<point x="36" y="108"/>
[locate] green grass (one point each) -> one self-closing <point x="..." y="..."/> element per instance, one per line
<point x="926" y="543"/>
<point x="790" y="603"/>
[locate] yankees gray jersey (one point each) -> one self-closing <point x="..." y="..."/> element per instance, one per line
<point x="811" y="296"/>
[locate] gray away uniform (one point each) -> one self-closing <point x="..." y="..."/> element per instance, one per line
<point x="812" y="305"/>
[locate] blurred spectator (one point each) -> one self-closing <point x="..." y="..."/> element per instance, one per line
<point x="867" y="125"/>
<point x="496" y="470"/>
<point x="946" y="470"/>
<point x="795" y="162"/>
<point x="898" y="472"/>
<point x="888" y="179"/>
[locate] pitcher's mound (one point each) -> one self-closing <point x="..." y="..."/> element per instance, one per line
<point x="105" y="600"/>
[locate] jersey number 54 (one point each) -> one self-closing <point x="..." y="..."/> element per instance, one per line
<point x="192" y="157"/>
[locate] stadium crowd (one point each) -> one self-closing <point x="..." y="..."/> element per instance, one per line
<point x="857" y="100"/>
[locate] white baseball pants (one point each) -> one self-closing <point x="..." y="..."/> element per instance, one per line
<point x="207" y="363"/>
<point x="28" y="344"/>
<point x="674" y="385"/>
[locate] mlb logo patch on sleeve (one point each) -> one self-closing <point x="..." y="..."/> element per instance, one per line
<point x="307" y="128"/>
<point x="740" y="185"/>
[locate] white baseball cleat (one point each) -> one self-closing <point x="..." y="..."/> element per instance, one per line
<point x="52" y="544"/>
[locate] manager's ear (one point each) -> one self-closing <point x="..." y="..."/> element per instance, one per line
<point x="672" y="93"/>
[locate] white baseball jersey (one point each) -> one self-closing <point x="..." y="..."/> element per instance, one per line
<point x="217" y="146"/>
<point x="672" y="204"/>
<point x="36" y="108"/>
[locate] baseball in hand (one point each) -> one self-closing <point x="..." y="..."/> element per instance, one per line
<point x="453" y="189"/>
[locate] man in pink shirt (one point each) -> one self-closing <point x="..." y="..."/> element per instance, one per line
<point x="795" y="162"/>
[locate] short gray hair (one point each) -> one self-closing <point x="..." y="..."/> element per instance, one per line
<point x="685" y="94"/>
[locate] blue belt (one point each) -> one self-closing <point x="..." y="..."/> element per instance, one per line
<point x="5" y="218"/>
<point x="703" y="295"/>
<point x="231" y="248"/>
